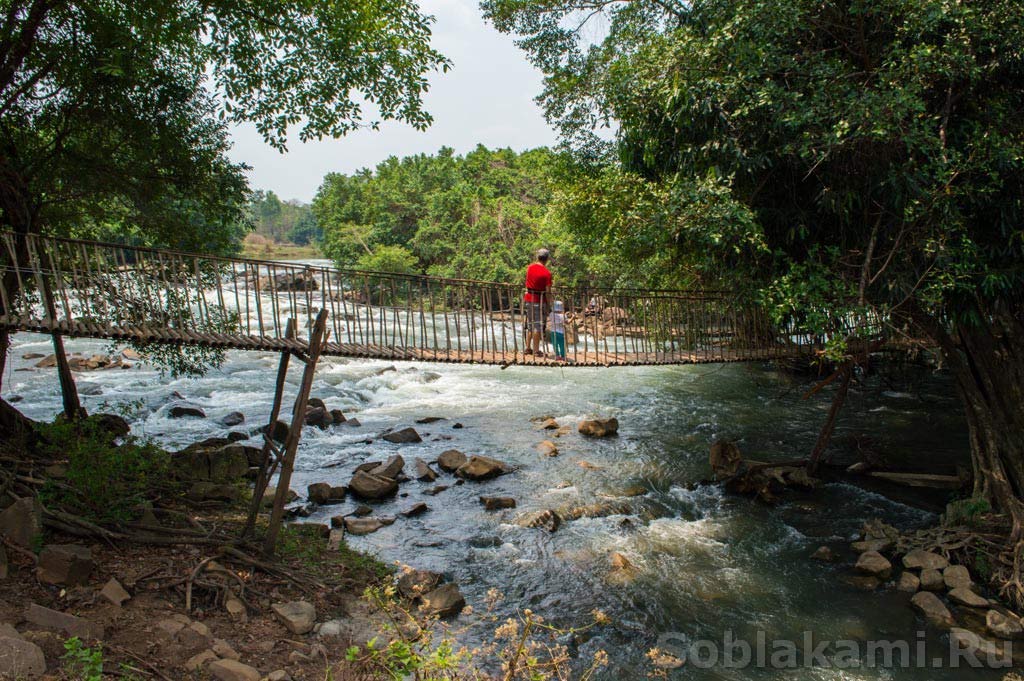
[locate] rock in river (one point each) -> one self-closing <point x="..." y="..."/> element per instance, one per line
<point x="444" y="601"/>
<point x="368" y="486"/>
<point x="599" y="427"/>
<point x="497" y="503"/>
<point x="451" y="460"/>
<point x="482" y="468"/>
<point x="403" y="436"/>
<point x="424" y="473"/>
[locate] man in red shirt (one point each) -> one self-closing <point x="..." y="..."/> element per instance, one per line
<point x="538" y="288"/>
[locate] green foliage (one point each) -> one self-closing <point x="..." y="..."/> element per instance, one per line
<point x="832" y="155"/>
<point x="82" y="662"/>
<point x="966" y="511"/>
<point x="106" y="481"/>
<point x="302" y="543"/>
<point x="290" y="221"/>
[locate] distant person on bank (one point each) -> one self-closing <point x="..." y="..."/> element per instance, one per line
<point x="538" y="287"/>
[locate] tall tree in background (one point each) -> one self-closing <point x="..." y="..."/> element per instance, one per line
<point x="835" y="155"/>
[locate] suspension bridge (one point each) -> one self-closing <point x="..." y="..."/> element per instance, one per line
<point x="79" y="288"/>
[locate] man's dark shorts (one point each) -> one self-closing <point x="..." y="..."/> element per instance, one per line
<point x="534" y="317"/>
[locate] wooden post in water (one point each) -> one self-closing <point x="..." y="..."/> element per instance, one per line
<point x="263" y="477"/>
<point x="69" y="392"/>
<point x="316" y="343"/>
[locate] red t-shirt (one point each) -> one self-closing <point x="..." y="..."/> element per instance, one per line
<point x="538" y="278"/>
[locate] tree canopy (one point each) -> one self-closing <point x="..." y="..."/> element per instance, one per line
<point x="114" y="115"/>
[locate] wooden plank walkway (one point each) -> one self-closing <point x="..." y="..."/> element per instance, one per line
<point x="90" y="289"/>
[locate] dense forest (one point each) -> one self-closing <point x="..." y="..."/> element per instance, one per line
<point x="290" y="221"/>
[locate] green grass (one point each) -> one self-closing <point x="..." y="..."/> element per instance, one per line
<point x="301" y="544"/>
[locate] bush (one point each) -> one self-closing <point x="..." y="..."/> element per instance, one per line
<point x="107" y="479"/>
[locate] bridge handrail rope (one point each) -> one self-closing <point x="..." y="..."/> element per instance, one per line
<point x="150" y="295"/>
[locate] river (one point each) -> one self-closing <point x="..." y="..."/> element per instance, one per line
<point x="705" y="563"/>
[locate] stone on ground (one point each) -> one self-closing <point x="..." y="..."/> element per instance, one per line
<point x="599" y="427"/>
<point x="931" y="580"/>
<point x="444" y="601"/>
<point x="368" y="486"/>
<point x="957" y="577"/>
<point x="65" y="565"/>
<point x="482" y="468"/>
<point x="20" y="659"/>
<point x="22" y="521"/>
<point x="933" y="609"/>
<point x="875" y="564"/>
<point x="62" y="621"/>
<point x="236" y="608"/>
<point x="233" y="670"/>
<point x="298" y="616"/>
<point x="964" y="596"/>
<point x="114" y="592"/>
<point x="908" y="583"/>
<point x="924" y="560"/>
<point x="451" y="460"/>
<point x="403" y="436"/>
<point x="1003" y="625"/>
<point x="199" y="660"/>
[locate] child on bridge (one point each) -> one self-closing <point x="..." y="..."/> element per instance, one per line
<point x="556" y="325"/>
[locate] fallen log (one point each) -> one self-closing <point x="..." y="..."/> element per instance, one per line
<point x="928" y="480"/>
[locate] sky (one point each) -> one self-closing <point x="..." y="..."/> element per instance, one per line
<point x="486" y="98"/>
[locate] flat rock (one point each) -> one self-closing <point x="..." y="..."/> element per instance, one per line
<point x="114" y="592"/>
<point x="957" y="577"/>
<point x="361" y="526"/>
<point x="414" y="583"/>
<point x="444" y="601"/>
<point x="931" y="580"/>
<point x="368" y="486"/>
<point x="599" y="427"/>
<point x="65" y="565"/>
<point x="482" y="468"/>
<point x="875" y="564"/>
<point x="908" y="583"/>
<point x="1003" y="625"/>
<point x="298" y="616"/>
<point x="62" y="621"/>
<point x="430" y="419"/>
<point x="424" y="473"/>
<point x="965" y="596"/>
<point x="22" y="521"/>
<point x="497" y="503"/>
<point x="435" y="490"/>
<point x="236" y="608"/>
<point x="20" y="659"/>
<point x="933" y="609"/>
<point x="403" y="436"/>
<point x="233" y="670"/>
<point x="924" y="560"/>
<point x="451" y="460"/>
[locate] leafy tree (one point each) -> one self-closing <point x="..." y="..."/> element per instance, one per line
<point x="832" y="157"/>
<point x="386" y="258"/>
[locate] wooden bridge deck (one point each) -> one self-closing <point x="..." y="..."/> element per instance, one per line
<point x="88" y="289"/>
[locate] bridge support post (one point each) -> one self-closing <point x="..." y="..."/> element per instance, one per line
<point x="266" y="470"/>
<point x="317" y="339"/>
<point x="69" y="392"/>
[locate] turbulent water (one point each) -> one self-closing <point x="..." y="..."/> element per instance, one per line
<point x="705" y="563"/>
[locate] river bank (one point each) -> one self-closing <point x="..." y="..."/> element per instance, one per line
<point x="704" y="563"/>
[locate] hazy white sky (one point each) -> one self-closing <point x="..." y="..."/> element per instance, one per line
<point x="486" y="98"/>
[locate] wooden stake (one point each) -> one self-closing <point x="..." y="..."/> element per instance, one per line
<point x="830" y="420"/>
<point x="263" y="477"/>
<point x="316" y="343"/>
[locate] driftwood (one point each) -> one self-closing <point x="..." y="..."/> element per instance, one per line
<point x="927" y="480"/>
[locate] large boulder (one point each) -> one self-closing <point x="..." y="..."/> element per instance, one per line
<point x="933" y="609"/>
<point x="403" y="436"/>
<point x="22" y="521"/>
<point x="444" y="601"/>
<point x="368" y="486"/>
<point x="482" y="468"/>
<point x="319" y="493"/>
<point x="451" y="460"/>
<point x="235" y="418"/>
<point x="298" y="616"/>
<point x="71" y="625"/>
<point x="424" y="473"/>
<point x="65" y="565"/>
<point x="182" y="411"/>
<point x="599" y="427"/>
<point x="20" y="659"/>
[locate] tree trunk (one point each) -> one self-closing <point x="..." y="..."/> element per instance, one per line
<point x="987" y="359"/>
